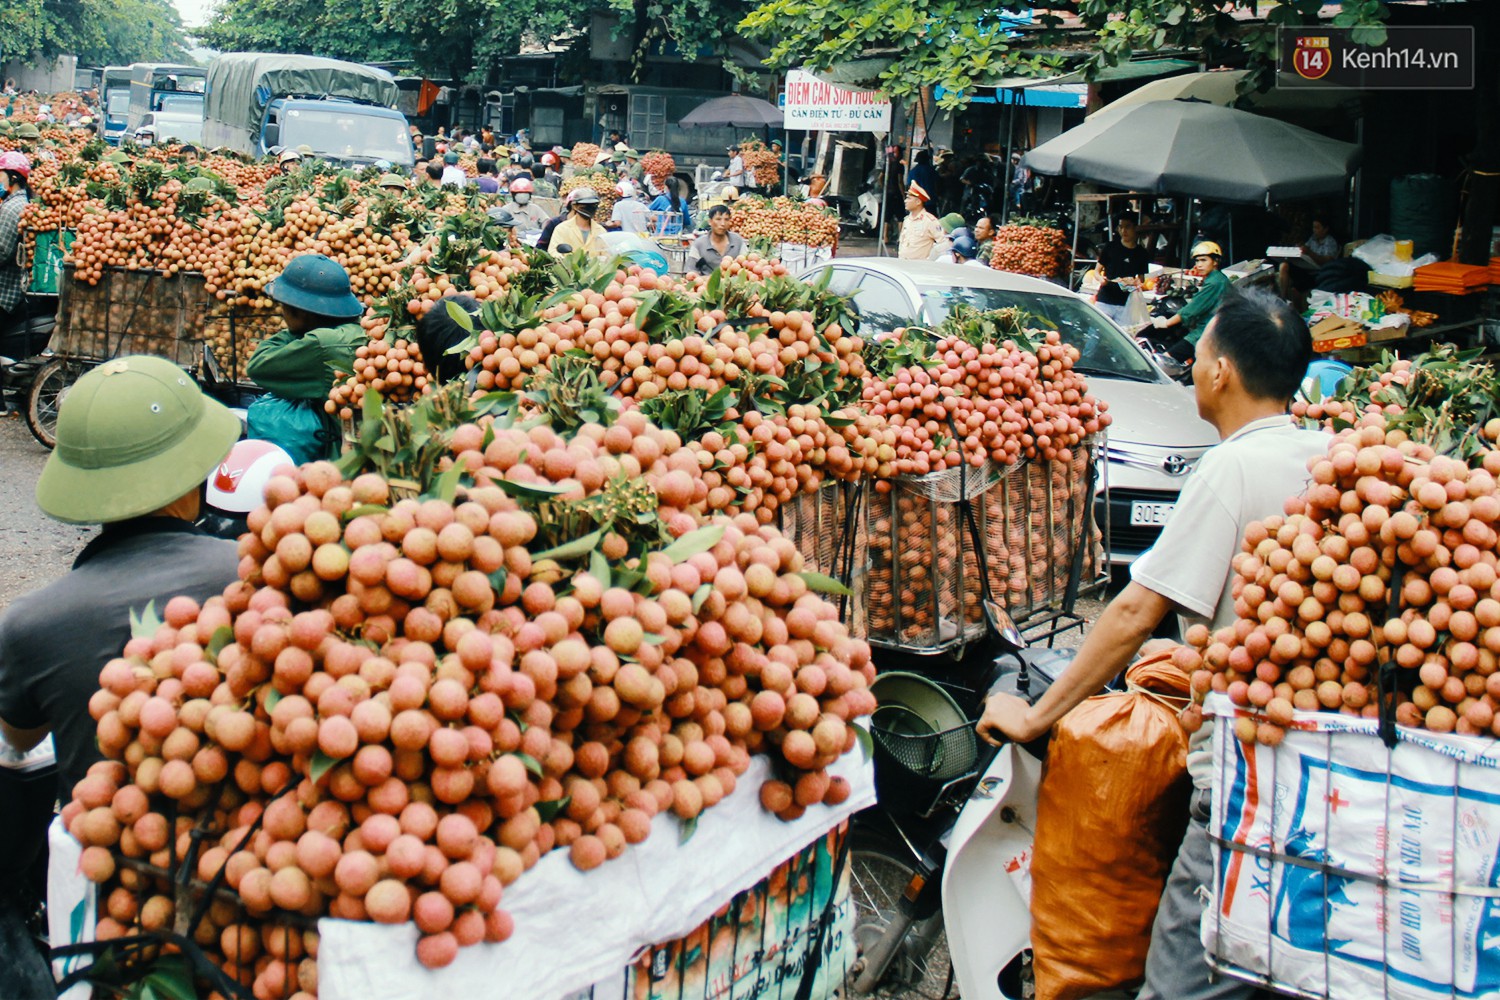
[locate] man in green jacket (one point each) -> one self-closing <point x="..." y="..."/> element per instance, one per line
<point x="1192" y="319"/>
<point x="298" y="366"/>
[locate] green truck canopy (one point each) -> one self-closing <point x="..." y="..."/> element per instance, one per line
<point x="235" y="77"/>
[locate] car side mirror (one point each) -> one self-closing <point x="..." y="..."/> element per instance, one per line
<point x="271" y="136"/>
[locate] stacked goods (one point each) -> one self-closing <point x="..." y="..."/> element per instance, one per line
<point x="658" y="166"/>
<point x="1388" y="563"/>
<point x="964" y="410"/>
<point x="585" y="155"/>
<point x="404" y="704"/>
<point x="762" y="164"/>
<point x="782" y="220"/>
<point x="602" y="179"/>
<point x="1037" y="250"/>
<point x="752" y="374"/>
<point x="969" y="400"/>
<point x="1442" y="397"/>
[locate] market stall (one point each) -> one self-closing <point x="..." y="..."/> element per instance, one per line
<point x="569" y="657"/>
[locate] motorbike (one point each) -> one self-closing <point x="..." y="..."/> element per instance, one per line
<point x="23" y="352"/>
<point x="947" y="850"/>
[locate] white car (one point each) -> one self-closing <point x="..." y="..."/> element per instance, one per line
<point x="1156" y="436"/>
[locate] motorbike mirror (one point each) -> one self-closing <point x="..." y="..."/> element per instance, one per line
<point x="1003" y="625"/>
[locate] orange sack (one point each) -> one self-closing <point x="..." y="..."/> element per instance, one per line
<point x="1111" y="813"/>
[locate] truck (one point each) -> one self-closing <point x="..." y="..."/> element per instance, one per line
<point x="344" y="112"/>
<point x="170" y="95"/>
<point x="114" y="103"/>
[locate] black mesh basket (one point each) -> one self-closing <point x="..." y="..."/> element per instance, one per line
<point x="913" y="763"/>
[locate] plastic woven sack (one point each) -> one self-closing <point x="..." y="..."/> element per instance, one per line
<point x="1111" y="813"/>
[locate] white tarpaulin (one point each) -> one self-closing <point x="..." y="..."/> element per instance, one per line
<point x="573" y="928"/>
<point x="1353" y="870"/>
<point x="814" y="105"/>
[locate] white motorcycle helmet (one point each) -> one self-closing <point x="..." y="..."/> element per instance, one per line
<point x="238" y="485"/>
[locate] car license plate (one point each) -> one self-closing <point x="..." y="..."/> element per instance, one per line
<point x="1150" y="514"/>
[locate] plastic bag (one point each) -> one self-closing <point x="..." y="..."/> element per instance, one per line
<point x="1380" y="253"/>
<point x="1111" y="813"/>
<point x="297" y="425"/>
<point x="1137" y="312"/>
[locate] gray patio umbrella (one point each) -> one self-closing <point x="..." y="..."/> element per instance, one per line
<point x="736" y="110"/>
<point x="1200" y="150"/>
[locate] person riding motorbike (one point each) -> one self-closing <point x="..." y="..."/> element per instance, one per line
<point x="1192" y="319"/>
<point x="296" y="366"/>
<point x="15" y="175"/>
<point x="578" y="231"/>
<point x="1249" y="362"/>
<point x="135" y="438"/>
<point x="527" y="215"/>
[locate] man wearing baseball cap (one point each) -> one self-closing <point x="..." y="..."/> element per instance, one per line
<point x="136" y="440"/>
<point x="296" y="366"/>
<point x="920" y="230"/>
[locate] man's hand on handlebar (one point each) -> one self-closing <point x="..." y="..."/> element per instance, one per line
<point x="1005" y="720"/>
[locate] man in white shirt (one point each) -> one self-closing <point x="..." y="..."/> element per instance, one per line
<point x="453" y="174"/>
<point x="1250" y="360"/>
<point x="736" y="167"/>
<point x="630" y="214"/>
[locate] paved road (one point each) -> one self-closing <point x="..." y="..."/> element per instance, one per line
<point x="34" y="549"/>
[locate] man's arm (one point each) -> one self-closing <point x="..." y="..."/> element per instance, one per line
<point x="1125" y="625"/>
<point x="22" y="740"/>
<point x="10" y="233"/>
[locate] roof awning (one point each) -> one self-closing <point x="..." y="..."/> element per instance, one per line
<point x="1047" y="95"/>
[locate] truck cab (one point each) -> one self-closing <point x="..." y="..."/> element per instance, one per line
<point x="114" y="104"/>
<point x="340" y="131"/>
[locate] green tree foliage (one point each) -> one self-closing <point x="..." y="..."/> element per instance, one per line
<point x="99" y="32"/>
<point x="337" y="29"/>
<point x="958" y="44"/>
<point x="456" y="39"/>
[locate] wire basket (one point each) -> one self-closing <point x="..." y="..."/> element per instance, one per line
<point x="913" y="764"/>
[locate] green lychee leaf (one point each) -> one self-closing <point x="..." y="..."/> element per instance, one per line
<point x="320" y="765"/>
<point x="144" y="624"/>
<point x="549" y="811"/>
<point x="223" y="636"/>
<point x="700" y="595"/>
<point x="825" y="584"/>
<point x="694" y="542"/>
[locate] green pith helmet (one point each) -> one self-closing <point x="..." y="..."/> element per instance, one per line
<point x="5" y="126"/>
<point x="392" y="181"/>
<point x="316" y="284"/>
<point x="133" y="435"/>
<point x="199" y="184"/>
<point x="305" y="149"/>
<point x="27" y="130"/>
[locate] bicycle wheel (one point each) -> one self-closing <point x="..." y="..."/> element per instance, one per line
<point x="48" y="389"/>
<point x="921" y="969"/>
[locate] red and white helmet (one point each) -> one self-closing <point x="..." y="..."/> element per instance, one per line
<point x="550" y="159"/>
<point x="16" y="163"/>
<point x="521" y="185"/>
<point x="238" y="485"/>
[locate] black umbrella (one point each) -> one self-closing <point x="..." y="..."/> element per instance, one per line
<point x="1202" y="150"/>
<point x="736" y="110"/>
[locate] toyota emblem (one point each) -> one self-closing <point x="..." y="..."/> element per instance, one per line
<point x="1175" y="465"/>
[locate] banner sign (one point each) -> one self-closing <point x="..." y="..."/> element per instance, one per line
<point x="815" y="106"/>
